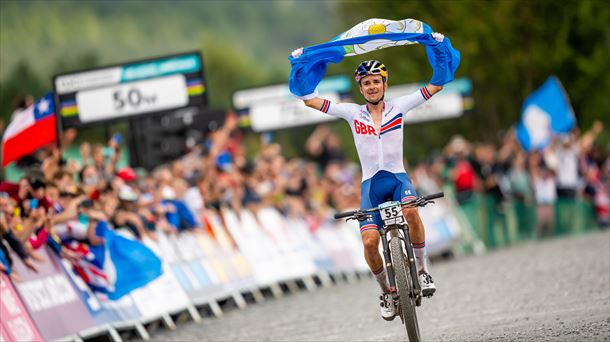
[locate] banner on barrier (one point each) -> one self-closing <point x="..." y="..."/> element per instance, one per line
<point x="162" y="295"/>
<point x="98" y="312"/>
<point x="184" y="258"/>
<point x="51" y="298"/>
<point x="16" y="324"/>
<point x="442" y="228"/>
<point x="3" y="335"/>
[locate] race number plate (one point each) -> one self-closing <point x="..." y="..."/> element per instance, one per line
<point x="391" y="213"/>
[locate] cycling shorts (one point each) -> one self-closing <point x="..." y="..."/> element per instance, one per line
<point x="382" y="187"/>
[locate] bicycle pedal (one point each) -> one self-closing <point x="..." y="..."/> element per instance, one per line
<point x="388" y="319"/>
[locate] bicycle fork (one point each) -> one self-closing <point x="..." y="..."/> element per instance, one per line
<point x="411" y="260"/>
<point x="388" y="264"/>
<point x="412" y="265"/>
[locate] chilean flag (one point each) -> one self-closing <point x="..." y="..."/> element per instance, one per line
<point x="30" y="129"/>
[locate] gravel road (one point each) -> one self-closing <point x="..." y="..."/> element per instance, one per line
<point x="552" y="290"/>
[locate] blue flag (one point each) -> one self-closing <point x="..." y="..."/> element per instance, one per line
<point x="123" y="264"/>
<point x="545" y="112"/>
<point x="370" y="35"/>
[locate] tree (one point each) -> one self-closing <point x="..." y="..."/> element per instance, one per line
<point x="508" y="49"/>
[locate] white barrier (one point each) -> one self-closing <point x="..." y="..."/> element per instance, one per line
<point x="246" y="252"/>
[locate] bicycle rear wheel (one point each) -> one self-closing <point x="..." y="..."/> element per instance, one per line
<point x="405" y="288"/>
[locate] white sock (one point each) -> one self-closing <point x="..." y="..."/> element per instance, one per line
<point x="421" y="257"/>
<point x="382" y="279"/>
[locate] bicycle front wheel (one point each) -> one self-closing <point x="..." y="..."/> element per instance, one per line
<point x="405" y="289"/>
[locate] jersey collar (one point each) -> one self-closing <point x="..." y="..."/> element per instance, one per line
<point x="366" y="105"/>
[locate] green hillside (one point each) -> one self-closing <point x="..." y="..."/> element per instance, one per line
<point x="244" y="42"/>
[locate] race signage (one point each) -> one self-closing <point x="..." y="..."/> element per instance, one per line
<point x="274" y="107"/>
<point x="51" y="299"/>
<point x="451" y="102"/>
<point x="126" y="90"/>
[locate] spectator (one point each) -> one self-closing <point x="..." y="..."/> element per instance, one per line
<point x="10" y="221"/>
<point x="598" y="191"/>
<point x="545" y="192"/>
<point x="324" y="146"/>
<point x="176" y="212"/>
<point x="462" y="173"/>
<point x="521" y="190"/>
<point x="563" y="157"/>
<point x="127" y="215"/>
<point x="490" y="168"/>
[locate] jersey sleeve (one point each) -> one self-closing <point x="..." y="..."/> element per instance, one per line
<point x="340" y="110"/>
<point x="408" y="102"/>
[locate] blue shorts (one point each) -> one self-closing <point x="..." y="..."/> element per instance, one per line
<point x="382" y="187"/>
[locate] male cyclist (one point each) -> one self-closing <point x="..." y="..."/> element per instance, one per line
<point x="377" y="127"/>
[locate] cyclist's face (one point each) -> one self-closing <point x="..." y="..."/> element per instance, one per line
<point x="373" y="87"/>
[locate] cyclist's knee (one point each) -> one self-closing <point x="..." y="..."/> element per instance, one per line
<point x="412" y="216"/>
<point x="370" y="240"/>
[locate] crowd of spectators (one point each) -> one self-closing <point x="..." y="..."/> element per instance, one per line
<point x="61" y="202"/>
<point x="573" y="167"/>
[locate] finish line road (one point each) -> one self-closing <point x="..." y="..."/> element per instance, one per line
<point x="552" y="290"/>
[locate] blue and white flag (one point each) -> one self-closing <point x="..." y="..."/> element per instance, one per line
<point x="545" y="112"/>
<point x="370" y="35"/>
<point x="117" y="266"/>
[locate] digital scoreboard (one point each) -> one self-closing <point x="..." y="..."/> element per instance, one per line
<point x="127" y="90"/>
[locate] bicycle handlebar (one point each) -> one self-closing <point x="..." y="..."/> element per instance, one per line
<point x="345" y="214"/>
<point x="434" y="196"/>
<point x="418" y="202"/>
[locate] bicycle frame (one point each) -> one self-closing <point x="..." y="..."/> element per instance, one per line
<point x="395" y="225"/>
<point x="394" y="230"/>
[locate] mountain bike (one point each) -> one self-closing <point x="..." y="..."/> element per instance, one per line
<point x="401" y="270"/>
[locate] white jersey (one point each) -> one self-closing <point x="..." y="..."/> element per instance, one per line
<point x="378" y="150"/>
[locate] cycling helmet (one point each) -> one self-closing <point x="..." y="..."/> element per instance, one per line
<point x="371" y="67"/>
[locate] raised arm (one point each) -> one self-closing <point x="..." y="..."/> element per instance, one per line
<point x="315" y="103"/>
<point x="433" y="89"/>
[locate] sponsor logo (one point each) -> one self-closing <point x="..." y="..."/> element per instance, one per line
<point x="46" y="293"/>
<point x="364" y="116"/>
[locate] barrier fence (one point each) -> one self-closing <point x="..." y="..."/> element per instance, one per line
<point x="504" y="223"/>
<point x="241" y="257"/>
<point x="238" y="255"/>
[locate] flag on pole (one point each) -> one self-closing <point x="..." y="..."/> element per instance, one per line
<point x="370" y="35"/>
<point x="547" y="111"/>
<point x="30" y="129"/>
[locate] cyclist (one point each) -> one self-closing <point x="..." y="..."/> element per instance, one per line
<point x="377" y="127"/>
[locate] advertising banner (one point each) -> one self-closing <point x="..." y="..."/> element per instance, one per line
<point x="162" y="295"/>
<point x="452" y="102"/>
<point x="300" y="263"/>
<point x="220" y="236"/>
<point x="442" y="228"/>
<point x="274" y="107"/>
<point x="252" y="247"/>
<point x="98" y="312"/>
<point x="51" y="299"/>
<point x="16" y="324"/>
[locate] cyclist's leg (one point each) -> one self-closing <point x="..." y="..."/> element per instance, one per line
<point x="404" y="193"/>
<point x="371" y="238"/>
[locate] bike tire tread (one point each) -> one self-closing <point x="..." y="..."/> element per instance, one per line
<point x="403" y="282"/>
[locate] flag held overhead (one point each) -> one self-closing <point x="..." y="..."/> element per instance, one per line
<point x="374" y="34"/>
